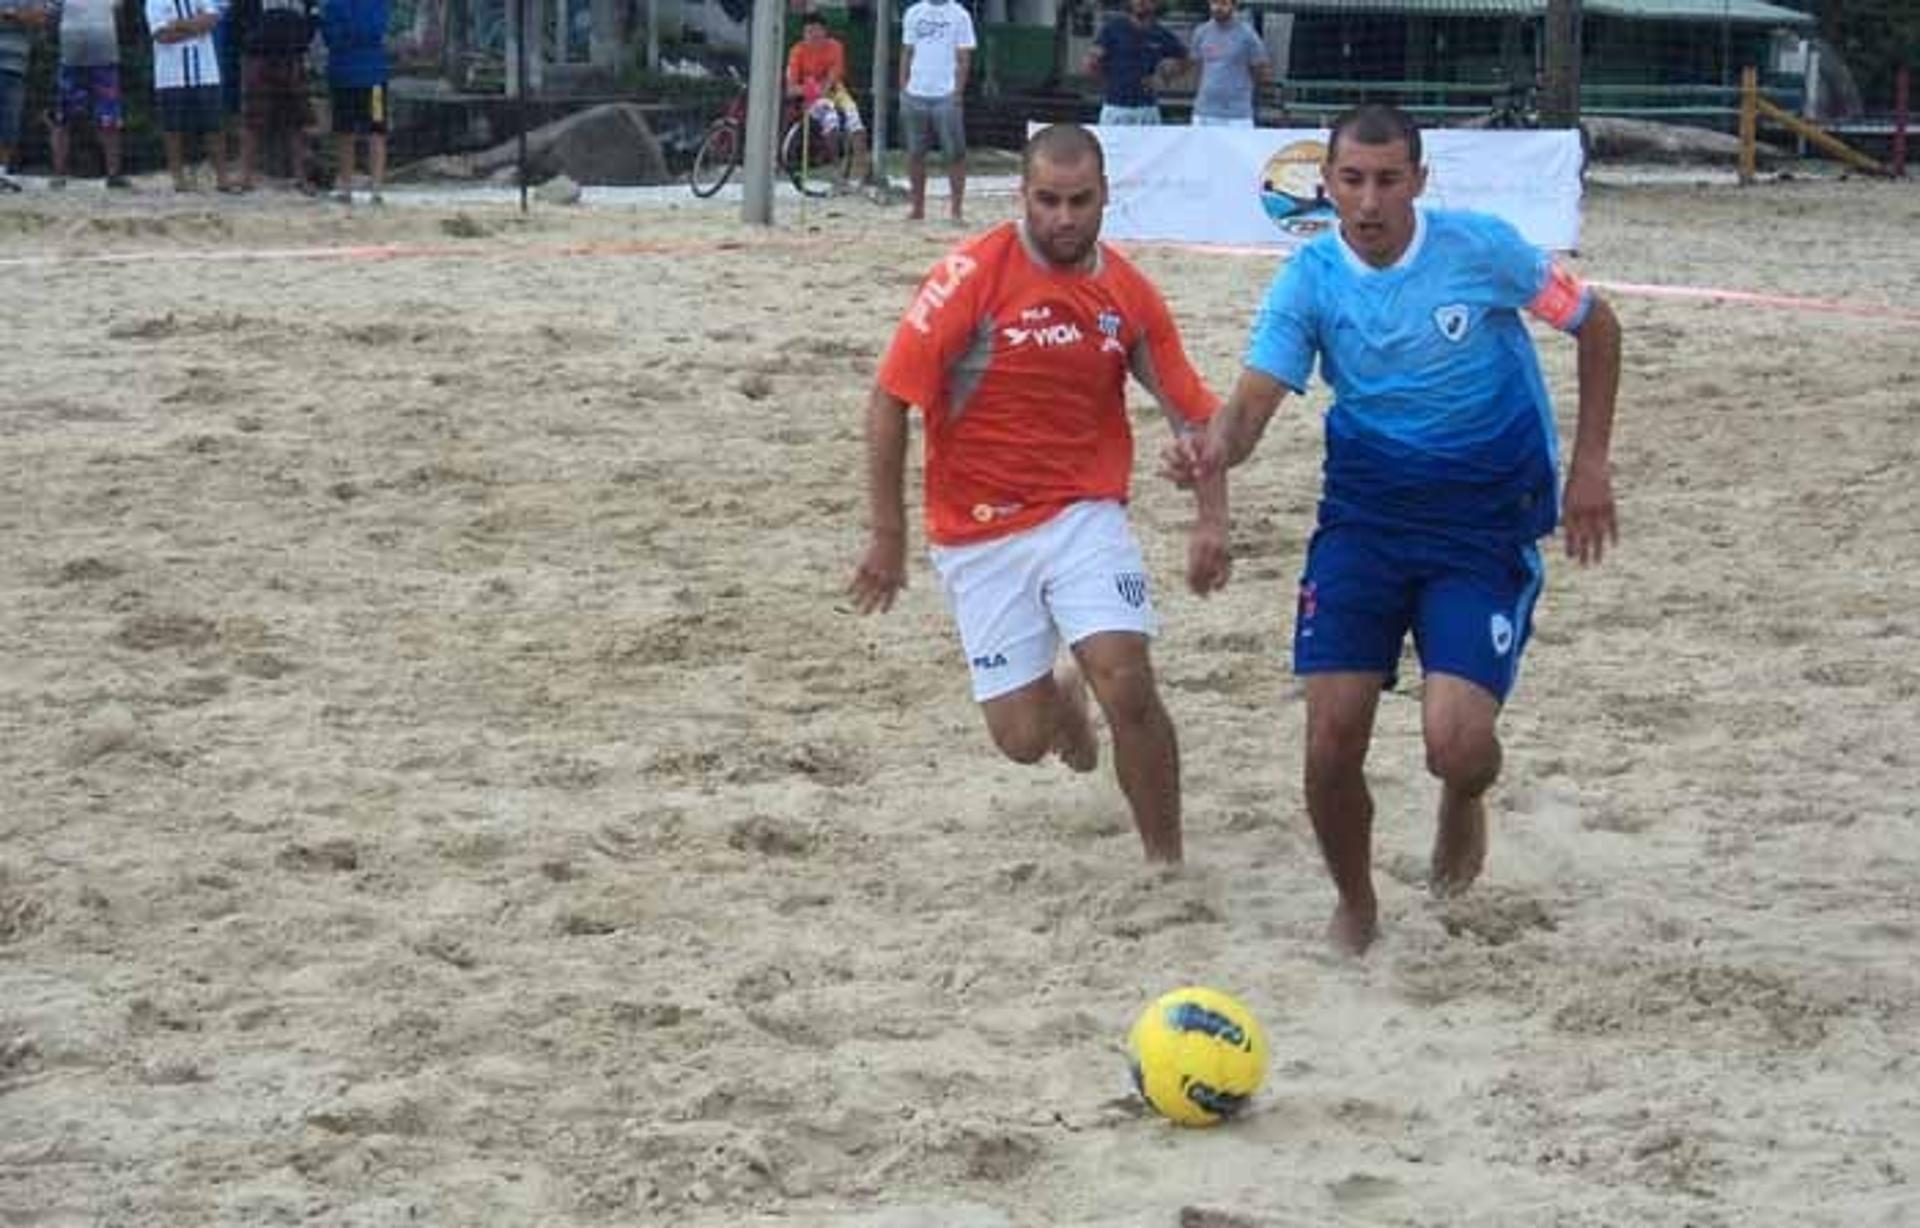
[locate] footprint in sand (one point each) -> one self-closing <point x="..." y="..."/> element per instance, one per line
<point x="1496" y="916"/>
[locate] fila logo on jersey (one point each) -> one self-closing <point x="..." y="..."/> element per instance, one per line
<point x="997" y="660"/>
<point x="940" y="286"/>
<point x="1051" y="335"/>
<point x="1452" y="321"/>
<point x="1502" y="632"/>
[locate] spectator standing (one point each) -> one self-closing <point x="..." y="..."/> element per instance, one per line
<point x="87" y="83"/>
<point x="226" y="47"/>
<point x="937" y="54"/>
<point x="1233" y="64"/>
<point x="1126" y="55"/>
<point x="186" y="84"/>
<point x="18" y="21"/>
<point x="356" y="35"/>
<point x="273" y="37"/>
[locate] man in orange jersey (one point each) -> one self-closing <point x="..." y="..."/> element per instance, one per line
<point x="1017" y="350"/>
<point x="817" y="75"/>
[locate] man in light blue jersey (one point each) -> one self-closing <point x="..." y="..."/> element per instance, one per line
<point x="1440" y="476"/>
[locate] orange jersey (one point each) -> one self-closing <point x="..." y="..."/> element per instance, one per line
<point x="819" y="62"/>
<point x="1020" y="370"/>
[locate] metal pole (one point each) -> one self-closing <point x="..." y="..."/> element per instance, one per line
<point x="882" y="90"/>
<point x="1901" y="80"/>
<point x="763" y="111"/>
<point x="1727" y="41"/>
<point x="653" y="35"/>
<point x="537" y="49"/>
<point x="1809" y="90"/>
<point x="521" y="96"/>
<point x="515" y="74"/>
<point x="1749" y="122"/>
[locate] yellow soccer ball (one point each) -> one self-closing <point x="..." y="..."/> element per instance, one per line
<point x="1198" y="1055"/>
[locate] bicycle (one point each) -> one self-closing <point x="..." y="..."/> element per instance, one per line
<point x="815" y="161"/>
<point x="1515" y="107"/>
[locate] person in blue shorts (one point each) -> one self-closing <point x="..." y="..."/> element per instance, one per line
<point x="1440" y="478"/>
<point x="357" y="67"/>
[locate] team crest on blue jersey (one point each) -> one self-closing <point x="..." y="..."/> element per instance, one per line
<point x="1133" y="588"/>
<point x="1451" y="320"/>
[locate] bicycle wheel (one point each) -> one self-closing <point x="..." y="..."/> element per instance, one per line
<point x="815" y="167"/>
<point x="714" y="161"/>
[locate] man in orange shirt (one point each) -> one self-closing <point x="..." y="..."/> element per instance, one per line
<point x="817" y="74"/>
<point x="1017" y="350"/>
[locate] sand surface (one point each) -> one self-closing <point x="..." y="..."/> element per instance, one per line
<point x="442" y="781"/>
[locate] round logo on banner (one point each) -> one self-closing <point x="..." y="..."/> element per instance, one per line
<point x="1291" y="191"/>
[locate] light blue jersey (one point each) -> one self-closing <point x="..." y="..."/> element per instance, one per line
<point x="1440" y="420"/>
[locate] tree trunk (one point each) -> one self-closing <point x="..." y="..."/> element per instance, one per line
<point x="1560" y="88"/>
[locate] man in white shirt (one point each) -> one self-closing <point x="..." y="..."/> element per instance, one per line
<point x="939" y="43"/>
<point x="186" y="83"/>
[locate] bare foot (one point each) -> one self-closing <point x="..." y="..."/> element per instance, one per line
<point x="1350" y="931"/>
<point x="1459" y="847"/>
<point x="1074" y="740"/>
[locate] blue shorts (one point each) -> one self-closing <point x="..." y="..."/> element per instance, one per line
<point x="83" y="89"/>
<point x="1469" y="605"/>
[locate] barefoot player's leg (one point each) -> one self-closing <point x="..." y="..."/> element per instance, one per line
<point x="1146" y="752"/>
<point x="1074" y="739"/>
<point x="1037" y="719"/>
<point x="1471" y="628"/>
<point x="1340" y="713"/>
<point x="1098" y="595"/>
<point x="1458" y="718"/>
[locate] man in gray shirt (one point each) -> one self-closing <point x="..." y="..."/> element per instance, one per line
<point x="1233" y="62"/>
<point x="18" y="20"/>
<point x="87" y="85"/>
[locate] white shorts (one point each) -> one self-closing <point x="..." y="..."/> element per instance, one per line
<point x="1126" y="117"/>
<point x="1016" y="598"/>
<point x="836" y="111"/>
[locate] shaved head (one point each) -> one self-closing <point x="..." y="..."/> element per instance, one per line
<point x="1063" y="145"/>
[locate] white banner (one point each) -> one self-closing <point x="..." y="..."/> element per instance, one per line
<point x="1261" y="186"/>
